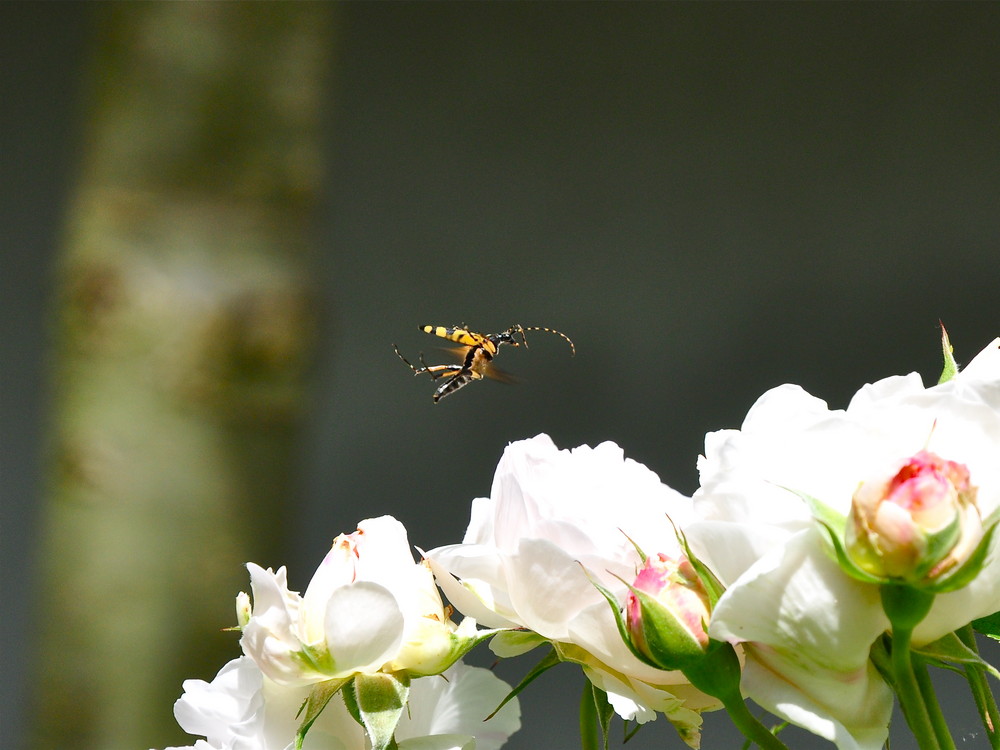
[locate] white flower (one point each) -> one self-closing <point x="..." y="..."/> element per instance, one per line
<point x="807" y="625"/>
<point x="550" y="514"/>
<point x="241" y="709"/>
<point x="368" y="608"/>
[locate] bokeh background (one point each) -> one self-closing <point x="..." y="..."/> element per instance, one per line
<point x="711" y="199"/>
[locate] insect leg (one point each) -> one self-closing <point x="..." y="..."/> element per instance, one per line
<point x="458" y="380"/>
<point x="406" y="362"/>
<point x="441" y="371"/>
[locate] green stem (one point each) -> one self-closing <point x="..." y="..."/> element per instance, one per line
<point x="909" y="691"/>
<point x="751" y="727"/>
<point x="938" y="721"/>
<point x="718" y="675"/>
<point x="905" y="607"/>
<point x="979" y="685"/>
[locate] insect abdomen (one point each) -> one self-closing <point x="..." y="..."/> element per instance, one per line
<point x="460" y="336"/>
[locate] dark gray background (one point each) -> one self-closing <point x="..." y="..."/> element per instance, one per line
<point x="711" y="199"/>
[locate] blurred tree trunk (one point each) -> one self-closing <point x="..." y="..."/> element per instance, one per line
<point x="185" y="320"/>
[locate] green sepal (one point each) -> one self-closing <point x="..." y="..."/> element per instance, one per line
<point x="713" y="586"/>
<point x="313" y="706"/>
<point x="618" y="612"/>
<point x="988" y="626"/>
<point x="834" y="524"/>
<point x="951" y="650"/>
<point x="939" y="544"/>
<point x="351" y="701"/>
<point x="547" y="662"/>
<point x="509" y="643"/>
<point x="950" y="368"/>
<point x="967" y="571"/>
<point x="381" y="701"/>
<point x="671" y="645"/>
<point x="661" y="629"/>
<point x="595" y="714"/>
<point x="638" y="550"/>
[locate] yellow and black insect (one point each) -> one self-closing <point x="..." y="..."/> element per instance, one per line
<point x="476" y="353"/>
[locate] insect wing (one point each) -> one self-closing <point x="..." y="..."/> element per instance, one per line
<point x="461" y="353"/>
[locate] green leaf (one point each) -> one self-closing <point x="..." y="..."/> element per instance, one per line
<point x="630" y="733"/>
<point x="989" y="625"/>
<point x="950" y="368"/>
<point x="986" y="703"/>
<point x="950" y="649"/>
<point x="381" y="702"/>
<point x="589" y="723"/>
<point x="319" y="696"/>
<point x="605" y="713"/>
<point x="508" y="643"/>
<point x="547" y="662"/>
<point x="595" y="714"/>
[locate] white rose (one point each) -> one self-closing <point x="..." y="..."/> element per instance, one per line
<point x="550" y="514"/>
<point x="368" y="608"/>
<point x="808" y="627"/>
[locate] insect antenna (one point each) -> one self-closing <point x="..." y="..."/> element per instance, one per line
<point x="568" y="340"/>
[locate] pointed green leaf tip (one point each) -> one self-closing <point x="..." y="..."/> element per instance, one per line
<point x="319" y="696"/>
<point x="989" y="625"/>
<point x="381" y="701"/>
<point x="950" y="369"/>
<point x="548" y="661"/>
<point x="950" y="649"/>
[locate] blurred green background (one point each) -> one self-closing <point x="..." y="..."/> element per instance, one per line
<point x="710" y="199"/>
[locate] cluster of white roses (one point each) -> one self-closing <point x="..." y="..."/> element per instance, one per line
<point x="826" y="559"/>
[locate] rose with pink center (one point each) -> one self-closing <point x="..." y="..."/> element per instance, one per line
<point x="918" y="523"/>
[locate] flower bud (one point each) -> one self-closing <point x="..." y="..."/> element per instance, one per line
<point x="916" y="525"/>
<point x="244" y="609"/>
<point x="667" y="612"/>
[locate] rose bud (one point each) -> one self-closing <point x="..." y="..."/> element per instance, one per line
<point x="916" y="525"/>
<point x="667" y="612"/>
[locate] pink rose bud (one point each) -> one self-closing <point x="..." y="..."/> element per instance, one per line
<point x="916" y="525"/>
<point x="667" y="612"/>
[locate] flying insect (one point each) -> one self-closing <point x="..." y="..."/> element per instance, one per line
<point x="476" y="353"/>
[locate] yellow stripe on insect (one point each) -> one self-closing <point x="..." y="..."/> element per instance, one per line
<point x="459" y="335"/>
